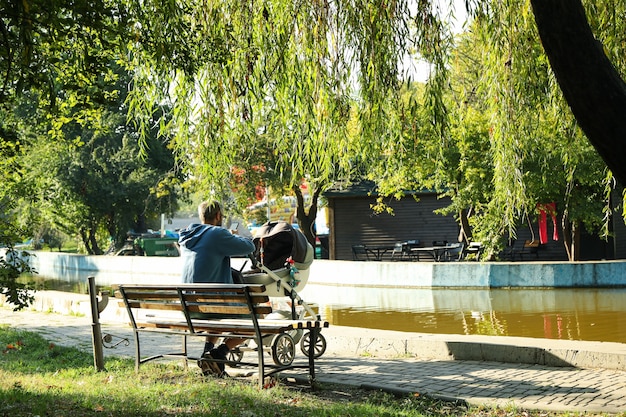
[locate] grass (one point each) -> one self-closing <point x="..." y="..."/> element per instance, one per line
<point x="38" y="378"/>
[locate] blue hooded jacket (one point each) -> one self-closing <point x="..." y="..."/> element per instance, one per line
<point x="206" y="252"/>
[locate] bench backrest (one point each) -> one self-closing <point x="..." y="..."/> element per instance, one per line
<point x="233" y="300"/>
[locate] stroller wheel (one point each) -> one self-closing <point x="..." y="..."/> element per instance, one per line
<point x="318" y="349"/>
<point x="235" y="356"/>
<point x="283" y="350"/>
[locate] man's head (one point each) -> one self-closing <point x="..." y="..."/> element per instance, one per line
<point x="210" y="213"/>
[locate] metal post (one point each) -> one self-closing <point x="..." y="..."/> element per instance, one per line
<point x="96" y="333"/>
<point x="268" y="208"/>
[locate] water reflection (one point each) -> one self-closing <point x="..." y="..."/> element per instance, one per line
<point x="40" y="283"/>
<point x="574" y="314"/>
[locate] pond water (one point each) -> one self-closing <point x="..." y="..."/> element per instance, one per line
<point x="592" y="314"/>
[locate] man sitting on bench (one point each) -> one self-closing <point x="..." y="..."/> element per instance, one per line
<point x="206" y="250"/>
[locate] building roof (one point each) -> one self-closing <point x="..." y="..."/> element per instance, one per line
<point x="363" y="189"/>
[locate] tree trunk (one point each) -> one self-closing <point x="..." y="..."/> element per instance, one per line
<point x="571" y="239"/>
<point x="591" y="85"/>
<point x="576" y="242"/>
<point x="567" y="238"/>
<point x="306" y="220"/>
<point x="465" y="231"/>
<point x="95" y="249"/>
<point x="140" y="224"/>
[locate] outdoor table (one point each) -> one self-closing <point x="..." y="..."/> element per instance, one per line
<point x="436" y="252"/>
<point x="378" y="252"/>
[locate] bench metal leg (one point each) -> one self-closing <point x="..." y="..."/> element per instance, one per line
<point x="314" y="332"/>
<point x="259" y="342"/>
<point x="185" y="364"/>
<point x="137" y="351"/>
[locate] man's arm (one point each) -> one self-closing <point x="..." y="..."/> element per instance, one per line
<point x="234" y="245"/>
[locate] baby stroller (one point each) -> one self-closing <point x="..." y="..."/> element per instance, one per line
<point x="281" y="262"/>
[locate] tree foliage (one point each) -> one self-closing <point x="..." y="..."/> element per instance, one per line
<point x="507" y="142"/>
<point x="96" y="186"/>
<point x="539" y="152"/>
<point x="270" y="98"/>
<point x="60" y="46"/>
<point x="316" y="90"/>
<point x="13" y="262"/>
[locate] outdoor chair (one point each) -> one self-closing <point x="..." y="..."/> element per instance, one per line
<point x="510" y="251"/>
<point x="473" y="251"/>
<point x="455" y="253"/>
<point x="406" y="249"/>
<point x="516" y="249"/>
<point x="359" y="253"/>
<point x="398" y="253"/>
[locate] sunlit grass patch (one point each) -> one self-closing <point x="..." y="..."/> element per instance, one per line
<point x="39" y="378"/>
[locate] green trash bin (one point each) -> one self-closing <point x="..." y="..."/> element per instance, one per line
<point x="158" y="246"/>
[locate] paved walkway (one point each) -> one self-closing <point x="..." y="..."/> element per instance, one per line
<point x="477" y="382"/>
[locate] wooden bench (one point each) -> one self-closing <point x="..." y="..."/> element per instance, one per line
<point x="244" y="305"/>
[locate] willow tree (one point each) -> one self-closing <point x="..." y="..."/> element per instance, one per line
<point x="538" y="149"/>
<point x="283" y="76"/>
<point x="248" y="77"/>
<point x="252" y="84"/>
<point x="291" y="71"/>
<point x="514" y="144"/>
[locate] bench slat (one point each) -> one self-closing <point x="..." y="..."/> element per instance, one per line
<point x="253" y="288"/>
<point x="155" y="305"/>
<point x="219" y="327"/>
<point x="228" y="298"/>
<point x="229" y="309"/>
<point x="157" y="295"/>
<point x="243" y="310"/>
<point x="163" y="299"/>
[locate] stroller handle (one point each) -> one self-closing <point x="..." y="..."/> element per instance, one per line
<point x="255" y="263"/>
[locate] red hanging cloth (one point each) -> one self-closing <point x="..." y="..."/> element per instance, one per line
<point x="544" y="210"/>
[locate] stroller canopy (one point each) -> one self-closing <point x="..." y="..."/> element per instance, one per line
<point x="280" y="241"/>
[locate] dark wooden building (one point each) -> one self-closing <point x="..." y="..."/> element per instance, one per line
<point x="353" y="222"/>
